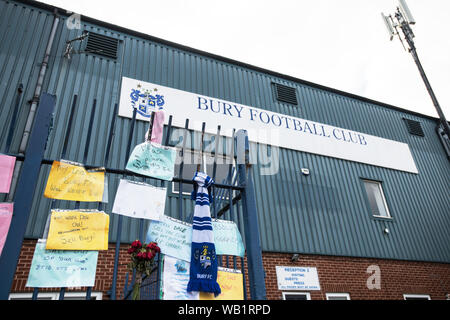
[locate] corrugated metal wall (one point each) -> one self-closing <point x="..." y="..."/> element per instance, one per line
<point x="324" y="213"/>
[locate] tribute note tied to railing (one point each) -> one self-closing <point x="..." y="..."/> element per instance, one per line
<point x="139" y="200"/>
<point x="57" y="268"/>
<point x="6" y="212"/>
<point x="6" y="171"/>
<point x="68" y="181"/>
<point x="153" y="160"/>
<point x="78" y="230"/>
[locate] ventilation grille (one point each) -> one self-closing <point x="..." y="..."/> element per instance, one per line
<point x="285" y="94"/>
<point x="414" y="127"/>
<point x="102" y="45"/>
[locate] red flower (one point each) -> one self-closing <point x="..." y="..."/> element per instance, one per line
<point x="131" y="250"/>
<point x="136" y="244"/>
<point x="153" y="246"/>
<point x="141" y="255"/>
<point x="150" y="255"/>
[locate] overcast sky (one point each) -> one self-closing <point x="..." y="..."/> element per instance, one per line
<point x="341" y="44"/>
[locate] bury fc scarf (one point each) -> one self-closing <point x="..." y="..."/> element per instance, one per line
<point x="203" y="268"/>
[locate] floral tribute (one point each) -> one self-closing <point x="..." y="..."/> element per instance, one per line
<point x="142" y="260"/>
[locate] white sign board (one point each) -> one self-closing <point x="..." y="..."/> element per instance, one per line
<point x="297" y="278"/>
<point x="263" y="126"/>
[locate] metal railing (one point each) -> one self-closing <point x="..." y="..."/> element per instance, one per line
<point x="227" y="195"/>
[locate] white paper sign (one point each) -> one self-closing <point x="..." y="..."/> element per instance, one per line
<point x="297" y="278"/>
<point x="264" y="126"/>
<point x="139" y="200"/>
<point x="175" y="280"/>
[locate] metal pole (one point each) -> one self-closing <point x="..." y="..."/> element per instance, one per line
<point x="430" y="92"/>
<point x="409" y="35"/>
<point x="254" y="253"/>
<point x="34" y="103"/>
<point x="119" y="223"/>
<point x="23" y="198"/>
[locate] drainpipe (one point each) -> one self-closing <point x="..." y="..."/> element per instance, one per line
<point x="34" y="104"/>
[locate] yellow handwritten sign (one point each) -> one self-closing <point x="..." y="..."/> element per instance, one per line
<point x="70" y="182"/>
<point x="230" y="284"/>
<point x="78" y="230"/>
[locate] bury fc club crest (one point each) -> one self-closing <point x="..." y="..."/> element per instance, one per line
<point x="205" y="256"/>
<point x="146" y="101"/>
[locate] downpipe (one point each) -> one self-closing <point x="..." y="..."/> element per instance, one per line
<point x="34" y="104"/>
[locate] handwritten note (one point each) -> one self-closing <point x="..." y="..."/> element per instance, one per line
<point x="56" y="268"/>
<point x="175" y="280"/>
<point x="6" y="212"/>
<point x="6" y="171"/>
<point x="139" y="200"/>
<point x="227" y="238"/>
<point x="153" y="160"/>
<point x="173" y="237"/>
<point x="67" y="181"/>
<point x="231" y="285"/>
<point x="78" y="230"/>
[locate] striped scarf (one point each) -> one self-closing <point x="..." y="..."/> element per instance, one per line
<point x="203" y="268"/>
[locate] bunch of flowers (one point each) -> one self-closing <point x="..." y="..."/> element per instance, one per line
<point x="142" y="260"/>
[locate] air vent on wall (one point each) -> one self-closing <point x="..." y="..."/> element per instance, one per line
<point x="102" y="45"/>
<point x="285" y="94"/>
<point x="414" y="127"/>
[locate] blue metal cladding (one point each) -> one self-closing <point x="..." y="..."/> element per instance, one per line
<point x="325" y="212"/>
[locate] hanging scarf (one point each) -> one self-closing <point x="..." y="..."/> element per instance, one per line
<point x="203" y="268"/>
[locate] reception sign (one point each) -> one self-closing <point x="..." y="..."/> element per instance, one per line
<point x="266" y="127"/>
<point x="297" y="278"/>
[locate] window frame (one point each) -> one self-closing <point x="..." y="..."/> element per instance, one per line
<point x="415" y="295"/>
<point x="307" y="294"/>
<point x="383" y="196"/>
<point x="337" y="294"/>
<point x="53" y="295"/>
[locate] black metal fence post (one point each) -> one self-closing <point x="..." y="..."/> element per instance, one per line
<point x="23" y="197"/>
<point x="254" y="253"/>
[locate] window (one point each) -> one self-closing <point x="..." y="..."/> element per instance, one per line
<point x="296" y="296"/>
<point x="416" y="297"/>
<point x="338" y="296"/>
<point x="190" y="166"/>
<point x="377" y="201"/>
<point x="55" y="296"/>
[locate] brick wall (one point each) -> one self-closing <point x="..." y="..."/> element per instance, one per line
<point x="349" y="275"/>
<point x="104" y="272"/>
<point x="336" y="275"/>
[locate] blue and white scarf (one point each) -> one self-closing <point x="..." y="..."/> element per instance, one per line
<point x="203" y="268"/>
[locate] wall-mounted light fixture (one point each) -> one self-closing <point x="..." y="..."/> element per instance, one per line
<point x="295" y="257"/>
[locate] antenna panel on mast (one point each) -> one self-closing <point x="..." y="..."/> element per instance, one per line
<point x="406" y="12"/>
<point x="388" y="24"/>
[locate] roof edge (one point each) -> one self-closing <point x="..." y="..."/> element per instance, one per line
<point x="138" y="34"/>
